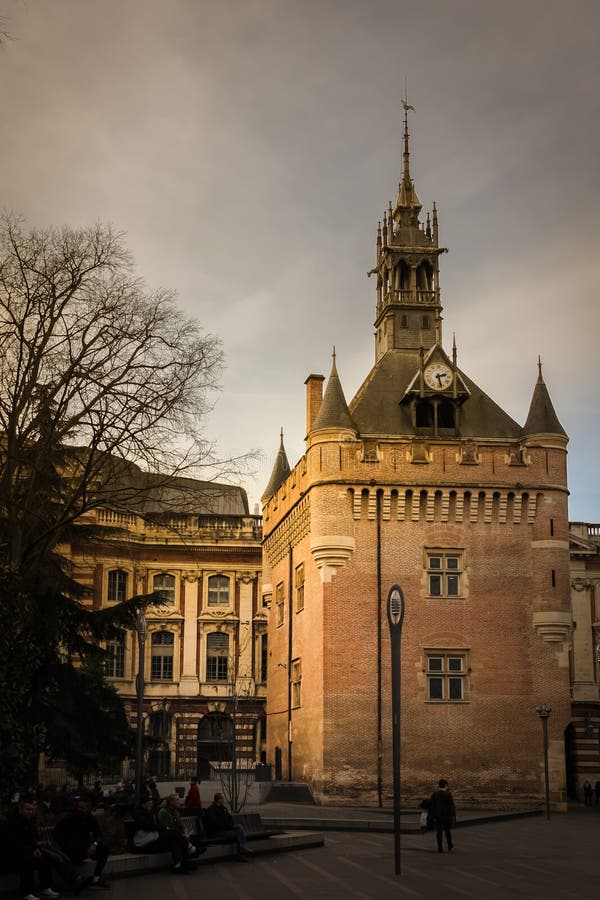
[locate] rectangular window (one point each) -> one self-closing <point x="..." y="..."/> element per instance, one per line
<point x="279" y="604"/>
<point x="161" y="660"/>
<point x="300" y="588"/>
<point x="296" y="677"/>
<point x="446" y="674"/>
<point x="444" y="570"/>
<point x="114" y="664"/>
<point x="217" y="656"/>
<point x="264" y="656"/>
<point x="117" y="586"/>
<point x="218" y="590"/>
<point x="165" y="583"/>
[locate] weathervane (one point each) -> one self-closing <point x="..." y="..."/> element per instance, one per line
<point x="405" y="102"/>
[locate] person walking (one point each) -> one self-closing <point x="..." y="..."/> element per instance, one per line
<point x="597" y="792"/>
<point x="588" y="792"/>
<point x="444" y="814"/>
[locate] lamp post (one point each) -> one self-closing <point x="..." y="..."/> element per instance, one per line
<point x="140" y="627"/>
<point x="395" y="616"/>
<point x="543" y="712"/>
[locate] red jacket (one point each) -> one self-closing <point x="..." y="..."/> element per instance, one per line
<point x="192" y="800"/>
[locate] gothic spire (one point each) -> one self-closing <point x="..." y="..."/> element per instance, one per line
<point x="280" y="472"/>
<point x="334" y="412"/>
<point x="408" y="205"/>
<point x="542" y="418"/>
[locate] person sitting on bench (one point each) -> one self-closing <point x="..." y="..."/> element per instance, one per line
<point x="79" y="836"/>
<point x="169" y="819"/>
<point x="219" y="823"/>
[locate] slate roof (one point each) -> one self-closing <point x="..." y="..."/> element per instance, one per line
<point x="124" y="485"/>
<point x="376" y="408"/>
<point x="542" y="418"/>
<point x="281" y="470"/>
<point x="333" y="412"/>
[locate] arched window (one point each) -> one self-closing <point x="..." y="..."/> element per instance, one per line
<point x="217" y="656"/>
<point x="161" y="663"/>
<point x="166" y="584"/>
<point x="114" y="664"/>
<point x="218" y="590"/>
<point x="117" y="586"/>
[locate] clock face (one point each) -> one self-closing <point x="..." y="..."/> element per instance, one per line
<point x="438" y="376"/>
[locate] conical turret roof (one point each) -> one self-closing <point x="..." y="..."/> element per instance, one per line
<point x="334" y="412"/>
<point x="542" y="418"/>
<point x="281" y="470"/>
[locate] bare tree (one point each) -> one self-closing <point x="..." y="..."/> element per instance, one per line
<point x="236" y="771"/>
<point x="89" y="358"/>
<point x="104" y="386"/>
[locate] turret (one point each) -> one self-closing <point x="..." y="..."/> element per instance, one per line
<point x="281" y="470"/>
<point x="542" y="419"/>
<point x="333" y="416"/>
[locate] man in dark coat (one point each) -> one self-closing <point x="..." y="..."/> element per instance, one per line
<point x="444" y="813"/>
<point x="27" y="846"/>
<point x="79" y="836"/>
<point x="219" y="823"/>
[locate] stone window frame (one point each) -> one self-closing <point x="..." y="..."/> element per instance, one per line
<point x="114" y="663"/>
<point x="167" y="591"/>
<point x="262" y="657"/>
<point x="230" y="593"/>
<point x="117" y="592"/>
<point x="279" y="604"/>
<point x="161" y="671"/>
<point x="446" y="574"/>
<point x="446" y="682"/>
<point x="296" y="682"/>
<point x="217" y="658"/>
<point x="299" y="580"/>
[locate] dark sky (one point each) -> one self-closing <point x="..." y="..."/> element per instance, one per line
<point x="249" y="147"/>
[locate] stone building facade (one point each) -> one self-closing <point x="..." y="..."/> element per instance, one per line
<point x="424" y="481"/>
<point x="205" y="647"/>
<point x="582" y="737"/>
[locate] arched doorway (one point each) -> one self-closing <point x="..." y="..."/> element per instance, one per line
<point x="215" y="741"/>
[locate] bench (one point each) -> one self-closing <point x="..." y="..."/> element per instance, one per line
<point x="252" y="823"/>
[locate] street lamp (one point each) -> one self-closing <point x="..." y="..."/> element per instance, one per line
<point x="395" y="616"/>
<point x="140" y="627"/>
<point x="543" y="712"/>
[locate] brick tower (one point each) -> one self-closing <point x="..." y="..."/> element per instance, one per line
<point x="423" y="480"/>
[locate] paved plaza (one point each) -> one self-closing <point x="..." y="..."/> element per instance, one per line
<point x="523" y="858"/>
